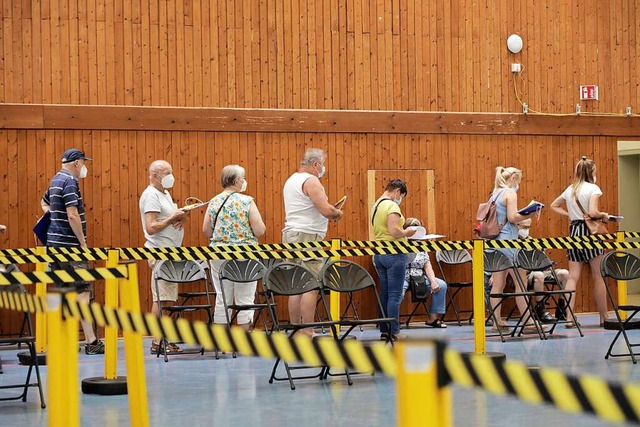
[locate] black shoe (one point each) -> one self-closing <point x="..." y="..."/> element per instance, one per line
<point x="546" y="317"/>
<point x="96" y="347"/>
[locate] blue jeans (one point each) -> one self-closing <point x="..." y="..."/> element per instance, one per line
<point x="438" y="303"/>
<point x="391" y="270"/>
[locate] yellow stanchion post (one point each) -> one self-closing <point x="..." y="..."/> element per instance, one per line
<point x="133" y="349"/>
<point x="41" y="318"/>
<point x="622" y="284"/>
<point x="421" y="401"/>
<point x="64" y="400"/>
<point x="478" y="297"/>
<point x="110" y="332"/>
<point x="334" y="297"/>
<point x="109" y="384"/>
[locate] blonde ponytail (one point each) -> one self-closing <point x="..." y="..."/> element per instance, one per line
<point x="504" y="175"/>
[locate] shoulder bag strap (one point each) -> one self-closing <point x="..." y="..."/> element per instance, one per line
<point x="215" y="221"/>
<point x="376" y="209"/>
<point x="575" y="199"/>
<point x="495" y="200"/>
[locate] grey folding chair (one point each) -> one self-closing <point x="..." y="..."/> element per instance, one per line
<point x="288" y="279"/>
<point x="494" y="262"/>
<point x="30" y="342"/>
<point x="621" y="265"/>
<point x="181" y="273"/>
<point x="536" y="260"/>
<point x="455" y="257"/>
<point x="351" y="278"/>
<point x="241" y="272"/>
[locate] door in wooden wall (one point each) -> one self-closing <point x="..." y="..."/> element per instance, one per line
<point x="419" y="202"/>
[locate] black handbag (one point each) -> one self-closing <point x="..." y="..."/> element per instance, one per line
<point x="419" y="289"/>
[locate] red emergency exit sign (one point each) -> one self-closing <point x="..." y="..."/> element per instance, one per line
<point x="588" y="92"/>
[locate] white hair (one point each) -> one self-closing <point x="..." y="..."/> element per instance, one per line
<point x="230" y="174"/>
<point x="313" y="155"/>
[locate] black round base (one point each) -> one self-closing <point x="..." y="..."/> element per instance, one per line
<point x="499" y="357"/>
<point x="613" y="325"/>
<point x="24" y="357"/>
<point x="105" y="387"/>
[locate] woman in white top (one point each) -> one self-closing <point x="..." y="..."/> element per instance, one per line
<point x="584" y="191"/>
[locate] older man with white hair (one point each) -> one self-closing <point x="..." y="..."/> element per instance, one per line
<point x="162" y="223"/>
<point x="308" y="212"/>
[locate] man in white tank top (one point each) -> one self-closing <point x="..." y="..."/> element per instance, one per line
<point x="307" y="214"/>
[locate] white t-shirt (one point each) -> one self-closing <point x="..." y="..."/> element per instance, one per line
<point x="300" y="212"/>
<point x="154" y="200"/>
<point x="584" y="193"/>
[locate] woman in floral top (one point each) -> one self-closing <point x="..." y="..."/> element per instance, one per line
<point x="419" y="266"/>
<point x="233" y="218"/>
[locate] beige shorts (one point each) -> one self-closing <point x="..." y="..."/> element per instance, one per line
<point x="312" y="264"/>
<point x="168" y="291"/>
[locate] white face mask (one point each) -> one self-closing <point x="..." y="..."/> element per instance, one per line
<point x="83" y="171"/>
<point x="523" y="233"/>
<point x="322" y="172"/>
<point x="243" y="187"/>
<point x="167" y="181"/>
<point x="398" y="201"/>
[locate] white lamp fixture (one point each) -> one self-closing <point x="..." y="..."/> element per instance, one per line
<point x="514" y="43"/>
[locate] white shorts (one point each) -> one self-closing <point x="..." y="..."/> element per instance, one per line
<point x="168" y="291"/>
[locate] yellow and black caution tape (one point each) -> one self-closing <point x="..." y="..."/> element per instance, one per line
<point x="203" y="253"/>
<point x="423" y="245"/>
<point x="319" y="249"/>
<point x="46" y="258"/>
<point x="558" y="244"/>
<point x="351" y="353"/>
<point x="573" y="394"/>
<point x="63" y="276"/>
<point x="89" y="254"/>
<point x="23" y="302"/>
<point x="632" y="234"/>
<point x="18" y="252"/>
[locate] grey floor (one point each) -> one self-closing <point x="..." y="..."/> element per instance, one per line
<point x="198" y="390"/>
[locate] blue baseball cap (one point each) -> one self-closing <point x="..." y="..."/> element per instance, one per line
<point x="73" y="154"/>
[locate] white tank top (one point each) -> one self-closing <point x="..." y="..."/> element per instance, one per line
<point x="300" y="212"/>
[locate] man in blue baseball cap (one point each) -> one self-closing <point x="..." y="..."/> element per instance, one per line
<point x="68" y="228"/>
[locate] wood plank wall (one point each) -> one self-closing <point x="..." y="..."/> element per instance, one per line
<point x="439" y="55"/>
<point x="399" y="55"/>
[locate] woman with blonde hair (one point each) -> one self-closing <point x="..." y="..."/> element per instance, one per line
<point x="505" y="193"/>
<point x="581" y="201"/>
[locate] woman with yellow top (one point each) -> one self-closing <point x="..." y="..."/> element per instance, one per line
<point x="387" y="222"/>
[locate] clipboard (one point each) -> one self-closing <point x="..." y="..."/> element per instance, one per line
<point x="340" y="203"/>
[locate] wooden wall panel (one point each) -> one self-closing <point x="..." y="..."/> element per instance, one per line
<point x="463" y="166"/>
<point x="395" y="55"/>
